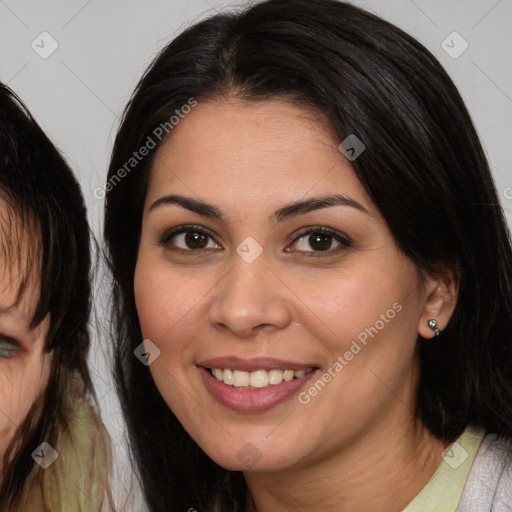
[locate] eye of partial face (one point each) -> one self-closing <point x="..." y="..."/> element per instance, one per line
<point x="317" y="242"/>
<point x="195" y="239"/>
<point x="188" y="238"/>
<point x="320" y="242"/>
<point x="320" y="239"/>
<point x="9" y="347"/>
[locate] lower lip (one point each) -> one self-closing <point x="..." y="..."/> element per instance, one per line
<point x="252" y="400"/>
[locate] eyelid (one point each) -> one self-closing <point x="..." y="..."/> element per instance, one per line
<point x="165" y="235"/>
<point x="12" y="345"/>
<point x="341" y="238"/>
<point x="308" y="230"/>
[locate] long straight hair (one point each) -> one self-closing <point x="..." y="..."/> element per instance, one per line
<point x="423" y="167"/>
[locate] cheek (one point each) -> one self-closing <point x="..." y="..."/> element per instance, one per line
<point x="168" y="305"/>
<point x="161" y="300"/>
<point x="367" y="320"/>
<point x="22" y="381"/>
<point x="360" y="304"/>
<point x="164" y="307"/>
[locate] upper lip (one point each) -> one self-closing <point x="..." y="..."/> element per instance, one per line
<point x="252" y="365"/>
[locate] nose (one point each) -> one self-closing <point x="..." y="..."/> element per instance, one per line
<point x="249" y="299"/>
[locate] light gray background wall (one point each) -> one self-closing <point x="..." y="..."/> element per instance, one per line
<point x="101" y="47"/>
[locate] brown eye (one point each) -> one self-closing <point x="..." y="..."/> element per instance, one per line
<point x="196" y="240"/>
<point x="320" y="241"/>
<point x="188" y="240"/>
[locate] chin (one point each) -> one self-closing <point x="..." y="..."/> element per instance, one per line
<point x="247" y="456"/>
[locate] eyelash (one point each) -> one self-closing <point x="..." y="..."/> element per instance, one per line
<point x="9" y="345"/>
<point x="324" y="230"/>
<point x="164" y="239"/>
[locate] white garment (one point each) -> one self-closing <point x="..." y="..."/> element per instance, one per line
<point x="489" y="484"/>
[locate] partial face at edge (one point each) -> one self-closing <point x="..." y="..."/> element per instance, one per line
<point x="325" y="278"/>
<point x="24" y="368"/>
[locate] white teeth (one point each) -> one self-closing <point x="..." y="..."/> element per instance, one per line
<point x="275" y="377"/>
<point x="288" y="375"/>
<point x="240" y="379"/>
<point x="257" y="379"/>
<point x="227" y="377"/>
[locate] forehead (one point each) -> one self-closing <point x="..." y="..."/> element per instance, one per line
<point x="19" y="261"/>
<point x="236" y="127"/>
<point x="275" y="149"/>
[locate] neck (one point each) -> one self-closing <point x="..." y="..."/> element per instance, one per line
<point x="384" y="471"/>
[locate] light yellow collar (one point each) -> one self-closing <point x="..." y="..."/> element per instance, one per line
<point x="444" y="490"/>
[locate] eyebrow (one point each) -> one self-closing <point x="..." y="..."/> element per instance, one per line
<point x="316" y="203"/>
<point x="286" y="212"/>
<point x="188" y="203"/>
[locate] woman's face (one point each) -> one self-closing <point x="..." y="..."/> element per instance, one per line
<point x="24" y="368"/>
<point x="285" y="315"/>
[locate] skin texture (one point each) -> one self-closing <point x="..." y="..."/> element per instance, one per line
<point x="291" y="303"/>
<point x="24" y="376"/>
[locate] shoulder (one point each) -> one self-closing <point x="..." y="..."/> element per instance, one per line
<point x="489" y="484"/>
<point x="74" y="470"/>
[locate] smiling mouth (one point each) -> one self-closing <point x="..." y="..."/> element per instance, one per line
<point x="259" y="379"/>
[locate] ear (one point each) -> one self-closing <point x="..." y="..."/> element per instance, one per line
<point x="441" y="291"/>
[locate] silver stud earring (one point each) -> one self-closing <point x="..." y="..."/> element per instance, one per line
<point x="433" y="325"/>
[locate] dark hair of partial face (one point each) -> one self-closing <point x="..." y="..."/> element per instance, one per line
<point x="423" y="167"/>
<point x="43" y="200"/>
